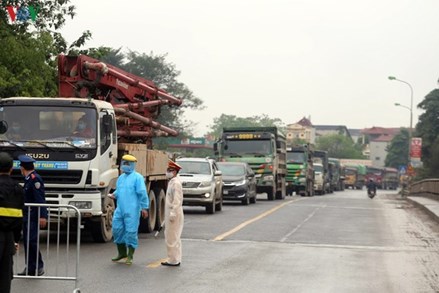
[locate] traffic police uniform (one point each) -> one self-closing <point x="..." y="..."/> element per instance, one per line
<point x="11" y="215"/>
<point x="174" y="217"/>
<point x="33" y="193"/>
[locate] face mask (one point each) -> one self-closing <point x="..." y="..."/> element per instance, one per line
<point x="81" y="126"/>
<point x="127" y="167"/>
<point x="169" y="175"/>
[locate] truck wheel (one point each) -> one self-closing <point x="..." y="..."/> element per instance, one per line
<point x="101" y="227"/>
<point x="270" y="193"/>
<point x="161" y="201"/>
<point x="147" y="225"/>
<point x="210" y="208"/>
<point x="280" y="194"/>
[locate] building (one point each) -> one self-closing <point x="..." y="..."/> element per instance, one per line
<point x="323" y="130"/>
<point x="303" y="129"/>
<point x="356" y="135"/>
<point x="379" y="139"/>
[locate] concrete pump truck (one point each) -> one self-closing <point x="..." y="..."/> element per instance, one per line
<point x="81" y="168"/>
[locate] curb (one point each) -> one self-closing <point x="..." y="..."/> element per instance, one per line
<point x="432" y="214"/>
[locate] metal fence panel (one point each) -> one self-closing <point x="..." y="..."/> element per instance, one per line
<point x="60" y="251"/>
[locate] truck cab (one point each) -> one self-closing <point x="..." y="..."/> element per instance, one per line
<point x="77" y="169"/>
<point x="264" y="149"/>
<point x="300" y="170"/>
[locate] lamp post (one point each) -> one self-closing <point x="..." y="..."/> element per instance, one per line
<point x="409" y="108"/>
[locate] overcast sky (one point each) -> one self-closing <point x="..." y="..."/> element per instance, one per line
<point x="285" y="58"/>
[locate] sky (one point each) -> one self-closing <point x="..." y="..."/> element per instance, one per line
<point x="288" y="59"/>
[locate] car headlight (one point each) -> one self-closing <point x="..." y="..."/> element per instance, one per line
<point x="205" y="184"/>
<point x="242" y="182"/>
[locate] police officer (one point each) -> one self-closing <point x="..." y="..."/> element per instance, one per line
<point x="11" y="215"/>
<point x="34" y="217"/>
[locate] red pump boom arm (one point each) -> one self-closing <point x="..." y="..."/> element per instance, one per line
<point x="136" y="100"/>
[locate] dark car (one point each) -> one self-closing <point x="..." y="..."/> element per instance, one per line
<point x="239" y="182"/>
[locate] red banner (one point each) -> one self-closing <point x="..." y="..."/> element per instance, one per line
<point x="416" y="148"/>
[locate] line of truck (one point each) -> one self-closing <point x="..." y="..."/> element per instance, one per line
<point x="121" y="110"/>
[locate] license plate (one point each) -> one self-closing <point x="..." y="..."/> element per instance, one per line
<point x="225" y="192"/>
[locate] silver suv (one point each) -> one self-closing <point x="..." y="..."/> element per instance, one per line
<point x="202" y="183"/>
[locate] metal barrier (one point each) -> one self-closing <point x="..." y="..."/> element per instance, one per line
<point x="58" y="263"/>
<point x="426" y="187"/>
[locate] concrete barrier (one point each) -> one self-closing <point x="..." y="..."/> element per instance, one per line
<point x="427" y="187"/>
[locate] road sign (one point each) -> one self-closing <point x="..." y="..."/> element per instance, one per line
<point x="402" y="170"/>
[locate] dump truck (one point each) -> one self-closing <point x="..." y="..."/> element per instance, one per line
<point x="355" y="176"/>
<point x="264" y="149"/>
<point x="376" y="174"/>
<point x="81" y="170"/>
<point x="300" y="170"/>
<point x="390" y="178"/>
<point x="321" y="157"/>
<point x="336" y="172"/>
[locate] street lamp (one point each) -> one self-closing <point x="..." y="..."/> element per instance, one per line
<point x="409" y="108"/>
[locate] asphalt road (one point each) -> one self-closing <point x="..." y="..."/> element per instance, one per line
<point x="341" y="242"/>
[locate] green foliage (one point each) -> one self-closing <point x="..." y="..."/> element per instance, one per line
<point x="24" y="70"/>
<point x="28" y="49"/>
<point x="298" y="141"/>
<point x="428" y="129"/>
<point x="339" y="146"/>
<point x="397" y="151"/>
<point x="233" y="121"/>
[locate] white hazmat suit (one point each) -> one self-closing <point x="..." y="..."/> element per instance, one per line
<point x="174" y="220"/>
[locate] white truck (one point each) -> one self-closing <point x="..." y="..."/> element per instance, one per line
<point x="81" y="170"/>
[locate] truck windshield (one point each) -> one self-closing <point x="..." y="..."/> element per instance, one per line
<point x="295" y="157"/>
<point x="49" y="126"/>
<point x="233" y="147"/>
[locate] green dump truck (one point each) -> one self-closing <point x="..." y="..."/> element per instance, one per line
<point x="300" y="174"/>
<point x="264" y="149"/>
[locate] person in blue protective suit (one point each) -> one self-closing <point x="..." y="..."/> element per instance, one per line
<point x="132" y="202"/>
<point x="34" y="218"/>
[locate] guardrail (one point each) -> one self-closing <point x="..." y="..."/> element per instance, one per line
<point x="61" y="253"/>
<point x="426" y="187"/>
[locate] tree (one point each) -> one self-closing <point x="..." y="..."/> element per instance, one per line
<point x="165" y="76"/>
<point x="23" y="67"/>
<point x="428" y="129"/>
<point x="233" y="121"/>
<point x="29" y="47"/>
<point x="339" y="146"/>
<point x="397" y="151"/>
